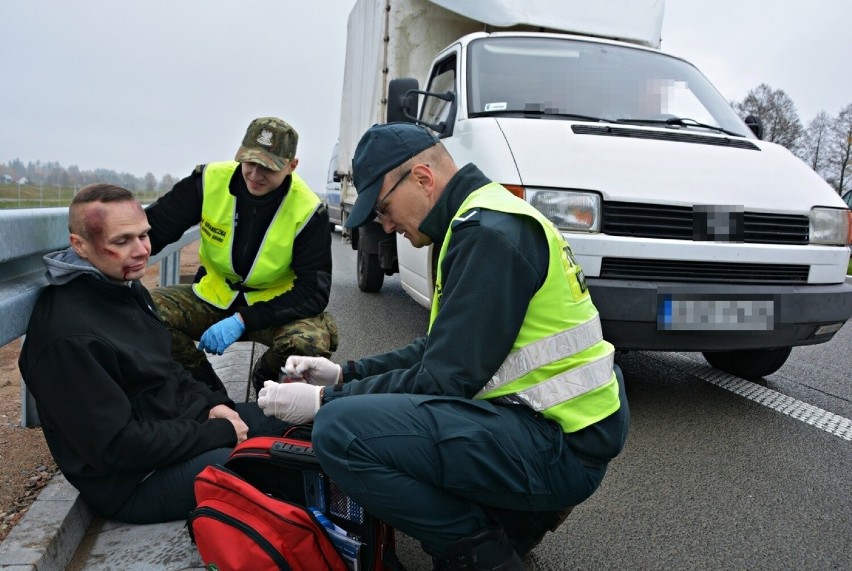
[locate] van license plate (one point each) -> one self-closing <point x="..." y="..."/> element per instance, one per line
<point x="676" y="313"/>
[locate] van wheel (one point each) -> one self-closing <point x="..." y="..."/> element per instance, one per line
<point x="370" y="274"/>
<point x="750" y="364"/>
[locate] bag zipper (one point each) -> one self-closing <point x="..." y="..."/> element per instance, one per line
<point x="249" y="531"/>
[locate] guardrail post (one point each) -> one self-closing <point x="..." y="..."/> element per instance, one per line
<point x="170" y="270"/>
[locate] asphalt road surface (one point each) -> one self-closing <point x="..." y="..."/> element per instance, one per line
<point x="717" y="473"/>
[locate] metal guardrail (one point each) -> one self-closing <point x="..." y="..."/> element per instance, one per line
<point x="26" y="235"/>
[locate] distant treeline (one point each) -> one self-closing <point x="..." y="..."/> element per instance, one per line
<point x="55" y="175"/>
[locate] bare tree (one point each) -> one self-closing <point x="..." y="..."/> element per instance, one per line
<point x="839" y="162"/>
<point x="777" y="112"/>
<point x="167" y="182"/>
<point x="814" y="143"/>
<point x="150" y="182"/>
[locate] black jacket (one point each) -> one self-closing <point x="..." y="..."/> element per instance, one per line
<point x="113" y="403"/>
<point x="180" y="209"/>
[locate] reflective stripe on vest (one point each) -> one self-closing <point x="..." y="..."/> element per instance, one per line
<point x="539" y="353"/>
<point x="271" y="273"/>
<point x="559" y="365"/>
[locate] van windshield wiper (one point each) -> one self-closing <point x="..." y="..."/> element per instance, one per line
<point x="542" y="113"/>
<point x="680" y="122"/>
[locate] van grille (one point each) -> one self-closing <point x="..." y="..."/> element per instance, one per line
<point x="676" y="223"/>
<point x="704" y="272"/>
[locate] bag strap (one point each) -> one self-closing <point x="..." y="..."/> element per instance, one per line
<point x="299" y="431"/>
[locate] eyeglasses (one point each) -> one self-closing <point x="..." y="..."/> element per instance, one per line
<point x="382" y="205"/>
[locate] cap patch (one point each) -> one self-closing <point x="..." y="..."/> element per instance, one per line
<point x="265" y="138"/>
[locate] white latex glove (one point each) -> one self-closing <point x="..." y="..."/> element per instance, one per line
<point x="315" y="370"/>
<point x="290" y="402"/>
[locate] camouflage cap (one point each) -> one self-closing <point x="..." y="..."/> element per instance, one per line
<point x="269" y="142"/>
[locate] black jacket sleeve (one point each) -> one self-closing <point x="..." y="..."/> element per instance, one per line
<point x="175" y="212"/>
<point x="98" y="420"/>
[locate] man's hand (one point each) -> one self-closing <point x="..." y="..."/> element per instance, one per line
<point x="220" y="335"/>
<point x="291" y="402"/>
<point x="315" y="370"/>
<point x="226" y="412"/>
<point x="240" y="427"/>
<point x="222" y="411"/>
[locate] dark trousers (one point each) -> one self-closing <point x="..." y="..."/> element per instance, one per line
<point x="428" y="464"/>
<point x="167" y="494"/>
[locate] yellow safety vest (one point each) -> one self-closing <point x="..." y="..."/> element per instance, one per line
<point x="559" y="364"/>
<point x="271" y="273"/>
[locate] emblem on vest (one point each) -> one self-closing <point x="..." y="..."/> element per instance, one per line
<point x="211" y="233"/>
<point x="265" y="138"/>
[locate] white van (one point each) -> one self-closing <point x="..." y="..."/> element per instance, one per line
<point x="692" y="232"/>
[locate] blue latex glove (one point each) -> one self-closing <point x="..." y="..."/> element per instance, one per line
<point x="220" y="335"/>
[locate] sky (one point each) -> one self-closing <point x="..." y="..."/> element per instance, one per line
<point x="159" y="86"/>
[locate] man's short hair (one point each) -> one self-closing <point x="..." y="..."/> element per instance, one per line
<point x="98" y="192"/>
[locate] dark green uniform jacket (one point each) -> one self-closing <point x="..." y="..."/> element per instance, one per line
<point x="479" y="319"/>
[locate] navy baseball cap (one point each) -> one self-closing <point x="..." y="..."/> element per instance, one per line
<point x="381" y="149"/>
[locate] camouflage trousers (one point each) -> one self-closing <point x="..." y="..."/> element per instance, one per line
<point x="187" y="317"/>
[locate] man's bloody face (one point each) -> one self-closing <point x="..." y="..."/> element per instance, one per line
<point x="117" y="242"/>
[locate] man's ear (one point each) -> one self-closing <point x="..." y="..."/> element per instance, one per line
<point x="425" y="178"/>
<point x="79" y="245"/>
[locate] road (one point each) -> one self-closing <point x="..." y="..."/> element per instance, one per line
<point x="710" y="478"/>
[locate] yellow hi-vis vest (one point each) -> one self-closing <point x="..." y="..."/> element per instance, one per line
<point x="559" y="364"/>
<point x="271" y="273"/>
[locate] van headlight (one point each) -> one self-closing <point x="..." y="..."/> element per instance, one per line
<point x="831" y="226"/>
<point x="568" y="210"/>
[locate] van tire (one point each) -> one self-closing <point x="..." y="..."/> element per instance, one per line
<point x="750" y="364"/>
<point x="370" y="273"/>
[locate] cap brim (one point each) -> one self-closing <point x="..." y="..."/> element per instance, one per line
<point x="362" y="210"/>
<point x="247" y="155"/>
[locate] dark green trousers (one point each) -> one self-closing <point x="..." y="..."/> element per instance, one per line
<point x="431" y="465"/>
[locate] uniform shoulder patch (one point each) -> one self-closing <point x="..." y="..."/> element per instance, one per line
<point x="469" y="218"/>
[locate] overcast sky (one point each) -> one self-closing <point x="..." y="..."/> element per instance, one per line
<point x="162" y="85"/>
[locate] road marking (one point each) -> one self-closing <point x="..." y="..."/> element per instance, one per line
<point x="809" y="414"/>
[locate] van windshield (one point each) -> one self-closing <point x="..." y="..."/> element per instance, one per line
<point x="574" y="79"/>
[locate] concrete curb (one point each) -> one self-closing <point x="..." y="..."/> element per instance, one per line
<point x="48" y="535"/>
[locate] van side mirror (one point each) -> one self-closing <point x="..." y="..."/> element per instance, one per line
<point x="440" y="128"/>
<point x="402" y="100"/>
<point x="755" y="124"/>
<point x="336" y="177"/>
<point x="403" y="95"/>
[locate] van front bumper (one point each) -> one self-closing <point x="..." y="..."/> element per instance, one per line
<point x="634" y="314"/>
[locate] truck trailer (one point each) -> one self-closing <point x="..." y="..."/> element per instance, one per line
<point x="693" y="233"/>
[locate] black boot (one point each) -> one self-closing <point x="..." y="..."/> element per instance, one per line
<point x="487" y="550"/>
<point x="208" y="376"/>
<point x="527" y="529"/>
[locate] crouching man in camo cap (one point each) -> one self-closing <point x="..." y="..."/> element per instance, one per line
<point x="265" y="257"/>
